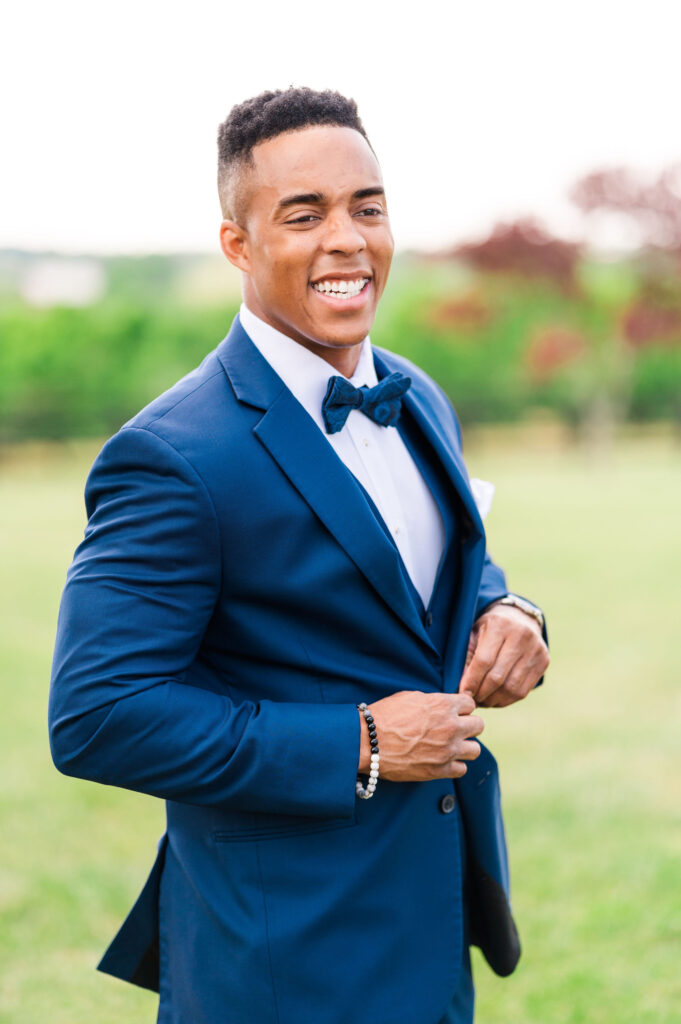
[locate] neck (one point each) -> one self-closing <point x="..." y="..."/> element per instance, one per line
<point x="343" y="360"/>
<point x="342" y="357"/>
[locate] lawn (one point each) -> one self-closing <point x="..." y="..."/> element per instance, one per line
<point x="591" y="762"/>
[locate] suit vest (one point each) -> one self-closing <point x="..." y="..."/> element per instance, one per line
<point x="438" y="613"/>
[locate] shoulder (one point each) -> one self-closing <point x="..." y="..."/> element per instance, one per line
<point x="171" y="436"/>
<point x="196" y="416"/>
<point x="193" y="396"/>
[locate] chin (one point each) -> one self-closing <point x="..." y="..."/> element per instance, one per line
<point x="342" y="336"/>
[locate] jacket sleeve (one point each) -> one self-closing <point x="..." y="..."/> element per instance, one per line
<point x="138" y="597"/>
<point x="492" y="585"/>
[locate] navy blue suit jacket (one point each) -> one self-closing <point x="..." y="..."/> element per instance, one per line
<point x="232" y="601"/>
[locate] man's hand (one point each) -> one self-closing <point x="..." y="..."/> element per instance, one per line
<point x="422" y="736"/>
<point x="506" y="657"/>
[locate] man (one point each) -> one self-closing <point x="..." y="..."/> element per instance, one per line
<point x="285" y="535"/>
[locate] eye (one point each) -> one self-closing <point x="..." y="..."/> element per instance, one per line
<point x="306" y="218"/>
<point x="371" y="211"/>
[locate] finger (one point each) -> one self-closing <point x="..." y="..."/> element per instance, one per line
<point x="496" y="676"/>
<point x="463" y="704"/>
<point x="522" y="679"/>
<point x="474" y="725"/>
<point x="472" y="644"/>
<point x="500" y="699"/>
<point x="489" y="643"/>
<point x="469" y="751"/>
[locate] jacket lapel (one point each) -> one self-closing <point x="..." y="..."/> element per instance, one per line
<point x="295" y="442"/>
<point x="419" y="403"/>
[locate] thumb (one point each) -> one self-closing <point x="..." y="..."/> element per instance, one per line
<point x="469" y="683"/>
<point x="473" y="642"/>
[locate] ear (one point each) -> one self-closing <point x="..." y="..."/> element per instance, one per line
<point x="234" y="244"/>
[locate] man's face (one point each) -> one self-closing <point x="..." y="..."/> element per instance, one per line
<point x="317" y="244"/>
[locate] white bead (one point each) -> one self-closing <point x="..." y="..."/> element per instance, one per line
<point x="373" y="774"/>
<point x="371" y="787"/>
<point x="374" y="758"/>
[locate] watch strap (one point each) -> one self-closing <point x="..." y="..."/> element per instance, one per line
<point x="525" y="606"/>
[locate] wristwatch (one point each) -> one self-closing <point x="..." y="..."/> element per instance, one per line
<point x="525" y="606"/>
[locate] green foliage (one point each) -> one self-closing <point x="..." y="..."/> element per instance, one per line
<point x="499" y="344"/>
<point x="480" y="337"/>
<point x="656" y="385"/>
<point x="83" y="372"/>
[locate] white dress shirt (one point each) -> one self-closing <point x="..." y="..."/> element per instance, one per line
<point x="376" y="455"/>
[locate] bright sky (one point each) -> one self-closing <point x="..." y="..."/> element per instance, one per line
<point x="478" y="110"/>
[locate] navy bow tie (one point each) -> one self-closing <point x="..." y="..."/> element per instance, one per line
<point x="381" y="403"/>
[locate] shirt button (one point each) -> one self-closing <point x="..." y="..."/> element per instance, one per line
<point x="365" y="442"/>
<point x="448" y="803"/>
<point x="396" y="530"/>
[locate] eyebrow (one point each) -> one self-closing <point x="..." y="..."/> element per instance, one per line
<point x="315" y="198"/>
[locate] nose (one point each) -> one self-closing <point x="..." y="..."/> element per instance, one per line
<point x="343" y="234"/>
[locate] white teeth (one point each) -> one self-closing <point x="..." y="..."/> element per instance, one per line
<point x="341" y="289"/>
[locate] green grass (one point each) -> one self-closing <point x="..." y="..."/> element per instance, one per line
<point x="591" y="763"/>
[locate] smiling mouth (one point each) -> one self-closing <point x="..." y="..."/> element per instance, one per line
<point x="341" y="289"/>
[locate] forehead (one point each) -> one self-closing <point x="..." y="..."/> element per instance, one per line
<point x="323" y="158"/>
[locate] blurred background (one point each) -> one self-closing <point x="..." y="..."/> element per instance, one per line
<point x="533" y="167"/>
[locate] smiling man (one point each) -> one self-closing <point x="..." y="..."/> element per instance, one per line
<point x="281" y="621"/>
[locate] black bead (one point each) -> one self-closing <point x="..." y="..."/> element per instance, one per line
<point x="374" y="748"/>
<point x="372" y="730"/>
<point x="369" y="718"/>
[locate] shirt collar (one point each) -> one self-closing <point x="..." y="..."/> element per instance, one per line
<point x="305" y="374"/>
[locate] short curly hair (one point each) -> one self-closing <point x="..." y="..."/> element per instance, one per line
<point x="264" y="117"/>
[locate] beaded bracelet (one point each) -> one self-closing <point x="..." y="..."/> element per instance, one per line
<point x="373" y="772"/>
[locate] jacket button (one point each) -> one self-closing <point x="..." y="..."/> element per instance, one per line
<point x="448" y="803"/>
<point x="429" y="619"/>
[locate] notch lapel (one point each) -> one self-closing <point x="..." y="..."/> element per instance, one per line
<point x="296" y="444"/>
